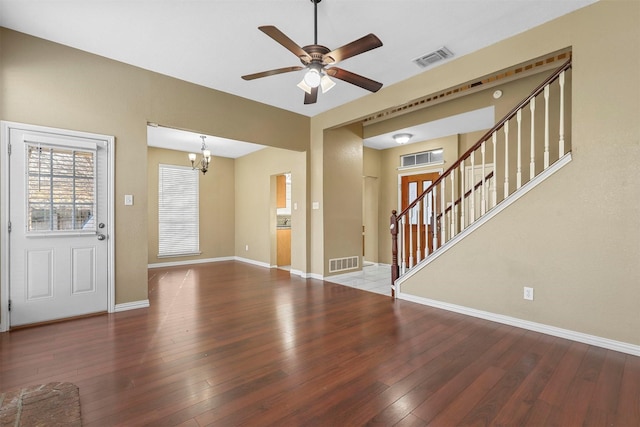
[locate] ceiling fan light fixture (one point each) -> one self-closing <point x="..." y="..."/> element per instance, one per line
<point x="305" y="87"/>
<point x="326" y="83"/>
<point x="312" y="77"/>
<point x="402" y="138"/>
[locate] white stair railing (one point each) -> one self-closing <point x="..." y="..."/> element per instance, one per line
<point x="468" y="189"/>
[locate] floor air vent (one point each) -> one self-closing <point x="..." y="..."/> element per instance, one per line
<point x="342" y="264"/>
<point x="428" y="59"/>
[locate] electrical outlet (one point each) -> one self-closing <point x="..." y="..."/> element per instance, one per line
<point x="528" y="293"/>
<point x="246" y="247"/>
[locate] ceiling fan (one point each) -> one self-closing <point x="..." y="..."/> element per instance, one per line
<point x="316" y="58"/>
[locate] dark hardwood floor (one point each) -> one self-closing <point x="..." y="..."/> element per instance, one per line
<point x="229" y="344"/>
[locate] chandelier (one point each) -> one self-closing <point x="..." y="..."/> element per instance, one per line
<point x="203" y="164"/>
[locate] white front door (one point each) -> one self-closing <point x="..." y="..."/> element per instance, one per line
<point x="59" y="217"/>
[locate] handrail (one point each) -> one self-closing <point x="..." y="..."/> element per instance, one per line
<point x="486" y="136"/>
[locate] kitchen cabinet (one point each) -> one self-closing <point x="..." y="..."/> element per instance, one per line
<point x="281" y="191"/>
<point x="284" y="246"/>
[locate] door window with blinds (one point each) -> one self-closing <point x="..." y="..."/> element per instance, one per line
<point x="178" y="211"/>
<point x="61" y="189"/>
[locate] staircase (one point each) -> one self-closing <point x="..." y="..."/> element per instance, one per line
<point x="519" y="152"/>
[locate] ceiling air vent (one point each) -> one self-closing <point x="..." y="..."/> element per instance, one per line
<point x="430" y="58"/>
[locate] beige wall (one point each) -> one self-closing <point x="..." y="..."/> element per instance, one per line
<point x="342" y="198"/>
<point x="217" y="206"/>
<point x="371" y="201"/>
<point x="255" y="206"/>
<point x="48" y="84"/>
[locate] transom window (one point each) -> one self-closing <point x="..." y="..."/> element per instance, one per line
<point x="420" y="159"/>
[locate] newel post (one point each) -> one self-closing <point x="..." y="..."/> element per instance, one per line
<point x="395" y="269"/>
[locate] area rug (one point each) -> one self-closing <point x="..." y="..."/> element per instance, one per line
<point x="44" y="405"/>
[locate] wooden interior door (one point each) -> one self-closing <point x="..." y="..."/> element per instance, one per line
<point x="411" y="187"/>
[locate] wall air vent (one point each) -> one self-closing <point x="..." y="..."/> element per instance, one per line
<point x="430" y="58"/>
<point x="342" y="264"/>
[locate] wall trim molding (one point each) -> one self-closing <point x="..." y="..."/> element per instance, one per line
<point x="134" y="305"/>
<point x="620" y="346"/>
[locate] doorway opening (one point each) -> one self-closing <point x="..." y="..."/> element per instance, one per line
<point x="283" y="221"/>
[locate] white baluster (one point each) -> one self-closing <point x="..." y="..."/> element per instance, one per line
<point x="434" y="211"/>
<point x="472" y="201"/>
<point x="443" y="209"/>
<point x="546" y="127"/>
<point x="494" y="181"/>
<point x="506" y="160"/>
<point x="403" y="236"/>
<point x="519" y="159"/>
<point x="561" y="149"/>
<point x="532" y="164"/>
<point x="410" y="239"/>
<point x="462" y="198"/>
<point x="454" y="208"/>
<point x="419" y="221"/>
<point x="483" y="196"/>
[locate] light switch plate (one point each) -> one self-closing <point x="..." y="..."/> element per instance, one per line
<point x="128" y="199"/>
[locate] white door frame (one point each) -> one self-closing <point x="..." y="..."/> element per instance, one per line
<point x="5" y="128"/>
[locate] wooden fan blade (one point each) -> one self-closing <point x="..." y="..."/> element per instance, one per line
<point x="311" y="98"/>
<point x="364" y="44"/>
<point x="271" y="72"/>
<point x="354" y="79"/>
<point x="285" y="41"/>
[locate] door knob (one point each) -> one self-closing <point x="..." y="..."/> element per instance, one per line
<point x="101" y="237"/>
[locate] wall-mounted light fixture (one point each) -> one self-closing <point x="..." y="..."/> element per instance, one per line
<point x="203" y="164"/>
<point x="402" y="138"/>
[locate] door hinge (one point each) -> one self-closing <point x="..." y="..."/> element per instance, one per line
<point x="9" y="148"/>
<point x="9" y="305"/>
<point x="9" y="226"/>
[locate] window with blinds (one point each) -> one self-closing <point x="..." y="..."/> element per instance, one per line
<point x="61" y="189"/>
<point x="178" y="211"/>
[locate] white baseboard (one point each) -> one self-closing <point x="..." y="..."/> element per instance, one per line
<point x="525" y="324"/>
<point x="234" y="258"/>
<point x="131" y="306"/>
<point x="193" y="261"/>
<point x="252" y="261"/>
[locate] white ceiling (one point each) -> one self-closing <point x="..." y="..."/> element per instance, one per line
<point x="214" y="42"/>
<point x="175" y="139"/>
<point x="483" y="118"/>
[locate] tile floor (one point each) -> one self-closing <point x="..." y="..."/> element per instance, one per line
<point x="373" y="277"/>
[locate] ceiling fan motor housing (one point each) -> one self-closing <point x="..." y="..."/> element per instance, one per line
<point x="316" y="52"/>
